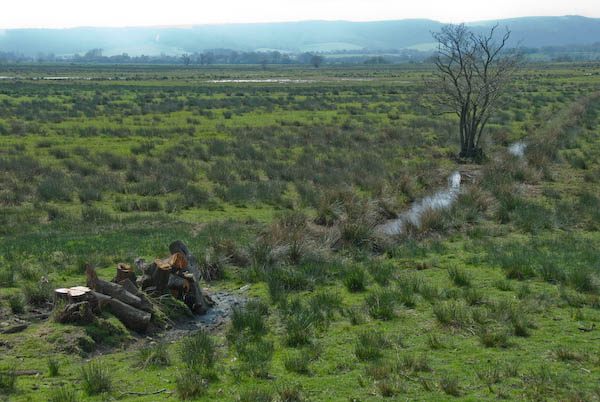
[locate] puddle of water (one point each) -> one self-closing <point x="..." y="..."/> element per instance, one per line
<point x="269" y="80"/>
<point x="517" y="149"/>
<point x="285" y="80"/>
<point x="215" y="318"/>
<point x="66" y="78"/>
<point x="354" y="79"/>
<point x="440" y="200"/>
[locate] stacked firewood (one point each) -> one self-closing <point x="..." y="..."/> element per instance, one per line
<point x="176" y="275"/>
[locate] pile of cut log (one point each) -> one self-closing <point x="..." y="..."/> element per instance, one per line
<point x="176" y="275"/>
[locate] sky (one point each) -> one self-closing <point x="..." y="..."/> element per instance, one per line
<point x="120" y="13"/>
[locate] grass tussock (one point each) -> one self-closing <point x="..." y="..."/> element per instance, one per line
<point x="190" y="384"/>
<point x="370" y="345"/>
<point x="459" y="276"/>
<point x="96" y="378"/>
<point x="354" y="278"/>
<point x="565" y="354"/>
<point x="413" y="363"/>
<point x="298" y="363"/>
<point x="250" y="318"/>
<point x="300" y="322"/>
<point x="257" y="395"/>
<point x="198" y="351"/>
<point x="494" y="337"/>
<point x="63" y="394"/>
<point x="154" y="355"/>
<point x="453" y="314"/>
<point x="53" y="367"/>
<point x="291" y="393"/>
<point x="255" y="357"/>
<point x="382" y="305"/>
<point x="450" y="385"/>
<point x="8" y="379"/>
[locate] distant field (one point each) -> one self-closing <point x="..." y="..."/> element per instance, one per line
<point x="278" y="179"/>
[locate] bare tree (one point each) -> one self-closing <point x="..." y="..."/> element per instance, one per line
<point x="472" y="73"/>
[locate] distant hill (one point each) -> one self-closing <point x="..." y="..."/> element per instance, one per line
<point x="286" y="37"/>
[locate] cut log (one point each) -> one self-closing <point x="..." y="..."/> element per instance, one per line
<point x="176" y="282"/>
<point x="131" y="317"/>
<point x="101" y="299"/>
<point x="163" y="264"/>
<point x="178" y="261"/>
<point x="62" y="293"/>
<point x="129" y="286"/>
<point x="146" y="304"/>
<point x="114" y="290"/>
<point x="194" y="298"/>
<point x="124" y="271"/>
<point x="145" y="282"/>
<point x="74" y="294"/>
<point x="160" y="277"/>
<point x="145" y="269"/>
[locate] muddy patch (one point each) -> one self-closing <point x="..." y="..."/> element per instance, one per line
<point x="214" y="320"/>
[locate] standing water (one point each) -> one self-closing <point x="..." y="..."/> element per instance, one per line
<point x="517" y="149"/>
<point x="440" y="200"/>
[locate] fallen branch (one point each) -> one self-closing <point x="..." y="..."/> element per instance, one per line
<point x="15" y="329"/>
<point x="122" y="394"/>
<point x="17" y="373"/>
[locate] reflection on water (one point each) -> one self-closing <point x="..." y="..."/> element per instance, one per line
<point x="278" y="81"/>
<point x="285" y="80"/>
<point x="440" y="200"/>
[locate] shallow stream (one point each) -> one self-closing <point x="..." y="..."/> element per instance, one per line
<point x="441" y="200"/>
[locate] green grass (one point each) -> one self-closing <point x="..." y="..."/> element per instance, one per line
<point x="156" y="355"/>
<point x="198" y="351"/>
<point x="370" y="345"/>
<point x="284" y="196"/>
<point x="96" y="378"/>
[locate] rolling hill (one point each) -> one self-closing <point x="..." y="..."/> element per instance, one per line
<point x="286" y="37"/>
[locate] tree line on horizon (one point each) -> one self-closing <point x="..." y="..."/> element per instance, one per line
<point x="228" y="56"/>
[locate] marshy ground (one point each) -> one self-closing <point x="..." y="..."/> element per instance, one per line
<point x="278" y="180"/>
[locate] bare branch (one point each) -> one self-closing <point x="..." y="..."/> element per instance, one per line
<point x="472" y="73"/>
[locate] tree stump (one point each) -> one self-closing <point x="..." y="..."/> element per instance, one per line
<point x="160" y="276"/>
<point x="124" y="271"/>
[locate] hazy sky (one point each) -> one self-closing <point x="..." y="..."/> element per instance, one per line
<point x="70" y="13"/>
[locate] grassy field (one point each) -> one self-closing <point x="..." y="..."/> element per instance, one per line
<point x="279" y="179"/>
